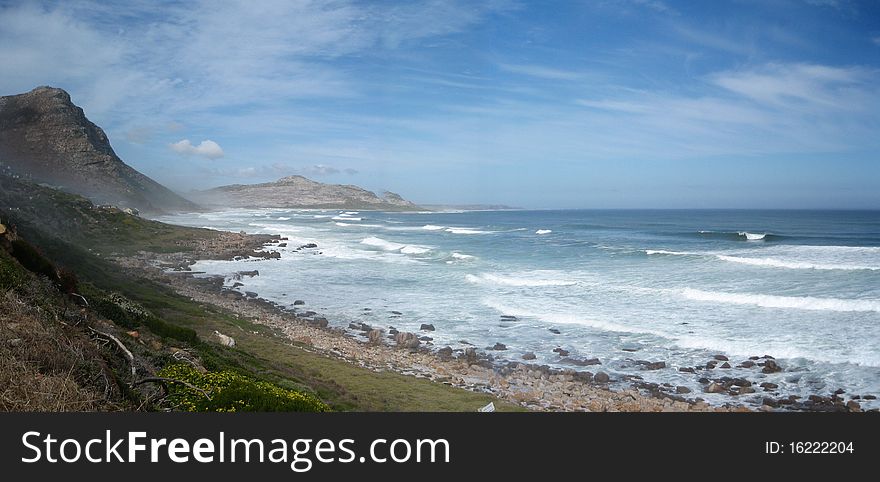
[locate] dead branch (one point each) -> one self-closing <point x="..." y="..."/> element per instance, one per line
<point x="163" y="381"/>
<point x="83" y="298"/>
<point x="121" y="346"/>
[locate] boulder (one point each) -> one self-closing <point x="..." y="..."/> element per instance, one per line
<point x="223" y="339"/>
<point x="561" y="351"/>
<point x="427" y="327"/>
<point x="770" y="366"/>
<point x="554" y="331"/>
<point x="715" y="388"/>
<point x="529" y="356"/>
<point x="601" y="377"/>
<point x="298" y="302"/>
<point x="375" y="336"/>
<point x="407" y="340"/>
<point x="499" y="346"/>
<point x="682" y="390"/>
<point x="319" y="322"/>
<point x="470" y="354"/>
<point x="647" y="365"/>
<point x="725" y="365"/>
<point x="720" y="358"/>
<point x="446" y="351"/>
<point x="581" y="363"/>
<point x="747" y="364"/>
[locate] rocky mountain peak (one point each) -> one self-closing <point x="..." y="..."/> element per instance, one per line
<point x="46" y="137"/>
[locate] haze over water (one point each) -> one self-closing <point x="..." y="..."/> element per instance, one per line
<point x="621" y="286"/>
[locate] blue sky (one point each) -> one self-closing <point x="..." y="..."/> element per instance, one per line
<point x="615" y="103"/>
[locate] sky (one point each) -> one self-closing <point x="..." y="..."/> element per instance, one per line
<point x="543" y="104"/>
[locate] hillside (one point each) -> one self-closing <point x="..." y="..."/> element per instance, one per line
<point x="45" y="137"/>
<point x="300" y="192"/>
<point x="58" y="252"/>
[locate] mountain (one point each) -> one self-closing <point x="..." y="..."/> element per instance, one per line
<point x="300" y="192"/>
<point x="44" y="136"/>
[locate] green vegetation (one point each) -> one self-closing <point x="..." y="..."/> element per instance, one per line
<point x="228" y="391"/>
<point x="71" y="234"/>
<point x="33" y="260"/>
<point x="12" y="275"/>
<point x="129" y="314"/>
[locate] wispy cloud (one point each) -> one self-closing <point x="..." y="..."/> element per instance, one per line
<point x="802" y="86"/>
<point x="207" y="148"/>
<point x="541" y="71"/>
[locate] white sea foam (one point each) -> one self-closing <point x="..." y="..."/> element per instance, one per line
<point x="533" y="279"/>
<point x="462" y="256"/>
<point x="358" y="225"/>
<point x="543" y="231"/>
<point x="563" y="318"/>
<point x="650" y="252"/>
<point x="752" y="236"/>
<point x="794" y="257"/>
<point x="345" y="218"/>
<point x="780" y="263"/>
<point x="382" y="244"/>
<point x="321" y="216"/>
<point x="392" y="246"/>
<point x="282" y="218"/>
<point x="785" y="302"/>
<point x="432" y="227"/>
<point x="414" y="250"/>
<point x="350" y="213"/>
<point x="455" y="230"/>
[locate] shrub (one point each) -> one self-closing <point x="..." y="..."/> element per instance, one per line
<point x="129" y="314"/>
<point x="33" y="260"/>
<point x="121" y="310"/>
<point x="11" y="273"/>
<point x="233" y="392"/>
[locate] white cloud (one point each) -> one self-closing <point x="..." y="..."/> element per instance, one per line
<point x="206" y="148"/>
<point x="801" y="86"/>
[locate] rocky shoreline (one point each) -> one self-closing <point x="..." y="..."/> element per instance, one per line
<point x="536" y="387"/>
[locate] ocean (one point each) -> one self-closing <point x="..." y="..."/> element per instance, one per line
<point x="621" y="286"/>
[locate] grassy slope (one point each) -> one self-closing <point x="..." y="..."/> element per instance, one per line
<point x="74" y="235"/>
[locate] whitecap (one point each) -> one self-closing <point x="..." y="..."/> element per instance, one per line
<point x="455" y="230"/>
<point x="650" y="252"/>
<point x="522" y="280"/>
<point x="457" y="255"/>
<point x="784" y="302"/>
<point x="543" y="231"/>
<point x="431" y="227"/>
<point x="752" y="236"/>
<point x="392" y="246"/>
<point x="414" y="250"/>
<point x="345" y="218"/>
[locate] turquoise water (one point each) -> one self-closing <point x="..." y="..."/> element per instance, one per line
<point x="621" y="286"/>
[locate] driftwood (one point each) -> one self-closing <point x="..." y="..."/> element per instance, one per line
<point x="121" y="346"/>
